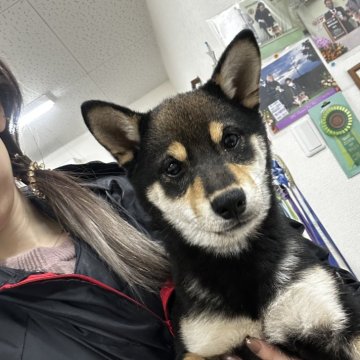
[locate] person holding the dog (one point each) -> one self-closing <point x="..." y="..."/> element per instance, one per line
<point x="76" y="280"/>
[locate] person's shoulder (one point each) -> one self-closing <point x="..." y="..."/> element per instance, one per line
<point x="110" y="182"/>
<point x="93" y="170"/>
<point x="99" y="178"/>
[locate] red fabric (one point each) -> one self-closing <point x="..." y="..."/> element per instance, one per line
<point x="165" y="293"/>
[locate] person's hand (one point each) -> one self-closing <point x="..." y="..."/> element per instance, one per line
<point x="266" y="351"/>
<point x="2" y="119"/>
<point x="262" y="350"/>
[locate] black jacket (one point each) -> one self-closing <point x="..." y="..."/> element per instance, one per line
<point x="90" y="315"/>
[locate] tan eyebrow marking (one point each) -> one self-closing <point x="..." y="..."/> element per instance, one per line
<point x="177" y="151"/>
<point x="216" y="131"/>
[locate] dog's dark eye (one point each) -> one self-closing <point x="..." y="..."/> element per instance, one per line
<point x="173" y="168"/>
<point x="230" y="141"/>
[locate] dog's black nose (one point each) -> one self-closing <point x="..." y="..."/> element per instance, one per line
<point x="230" y="204"/>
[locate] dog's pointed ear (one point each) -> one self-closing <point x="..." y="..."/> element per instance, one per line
<point x="115" y="127"/>
<point x="238" y="70"/>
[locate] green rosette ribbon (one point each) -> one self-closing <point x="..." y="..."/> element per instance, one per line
<point x="337" y="121"/>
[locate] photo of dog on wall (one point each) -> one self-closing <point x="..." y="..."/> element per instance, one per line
<point x="201" y="166"/>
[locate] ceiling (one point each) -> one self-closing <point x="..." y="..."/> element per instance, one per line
<point x="77" y="50"/>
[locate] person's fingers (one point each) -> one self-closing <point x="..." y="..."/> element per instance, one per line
<point x="230" y="357"/>
<point x="2" y="119"/>
<point x="264" y="350"/>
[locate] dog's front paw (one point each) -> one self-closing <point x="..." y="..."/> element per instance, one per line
<point x="191" y="356"/>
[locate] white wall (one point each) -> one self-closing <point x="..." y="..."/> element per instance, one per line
<point x="80" y="150"/>
<point x="181" y="30"/>
<point x="336" y="200"/>
<point x="85" y="148"/>
<point x="154" y="97"/>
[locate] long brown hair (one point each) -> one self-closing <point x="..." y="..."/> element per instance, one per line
<point x="136" y="259"/>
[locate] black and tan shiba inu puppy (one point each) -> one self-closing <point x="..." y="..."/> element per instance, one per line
<point x="200" y="163"/>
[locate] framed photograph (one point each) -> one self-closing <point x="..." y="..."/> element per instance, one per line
<point x="293" y="83"/>
<point x="268" y="19"/>
<point x="354" y="72"/>
<point x="333" y="24"/>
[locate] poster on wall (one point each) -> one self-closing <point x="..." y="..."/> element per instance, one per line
<point x="340" y="129"/>
<point x="333" y="25"/>
<point x="293" y="83"/>
<point x="267" y="19"/>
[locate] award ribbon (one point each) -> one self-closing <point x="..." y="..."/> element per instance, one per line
<point x="337" y="121"/>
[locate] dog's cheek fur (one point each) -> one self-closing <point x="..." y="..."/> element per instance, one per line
<point x="185" y="211"/>
<point x="175" y="210"/>
<point x="253" y="179"/>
